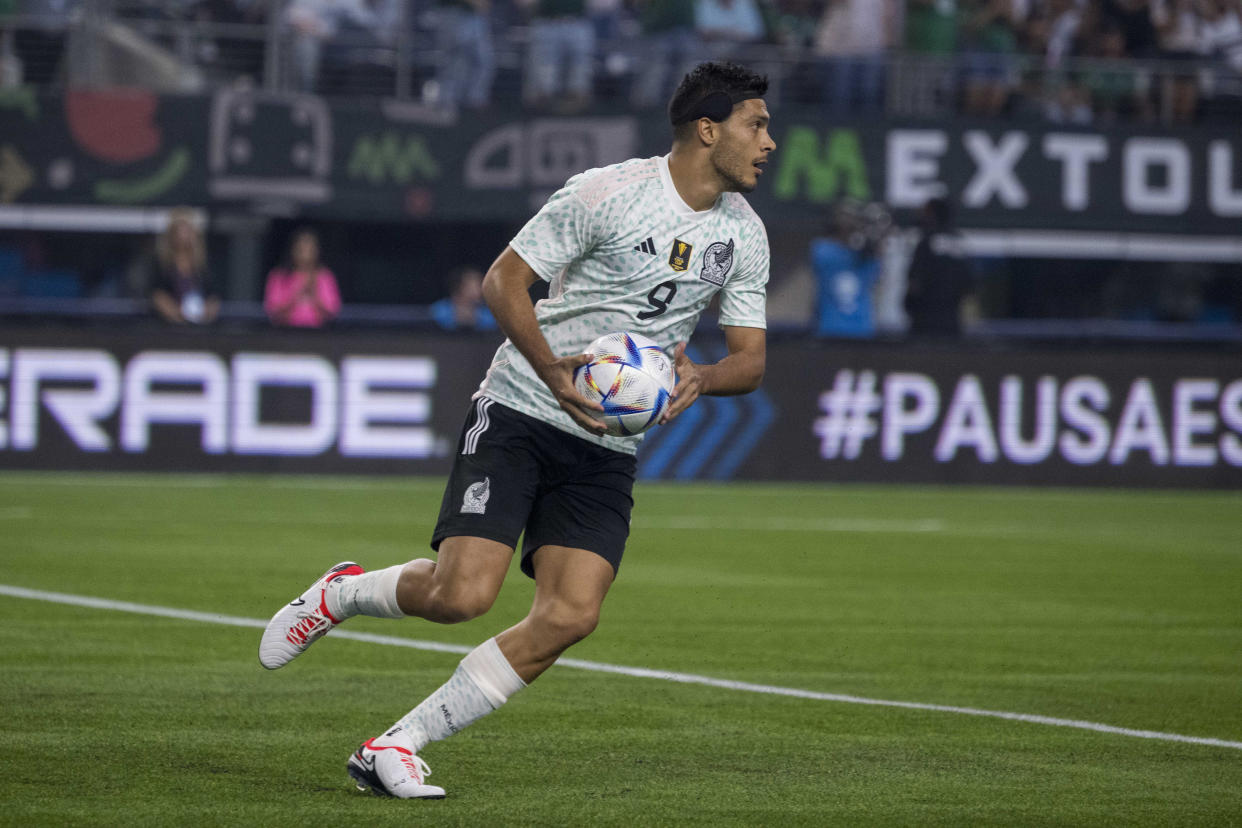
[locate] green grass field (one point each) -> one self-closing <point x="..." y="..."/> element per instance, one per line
<point x="1118" y="608"/>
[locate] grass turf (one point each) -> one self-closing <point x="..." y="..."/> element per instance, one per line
<point x="1113" y="607"/>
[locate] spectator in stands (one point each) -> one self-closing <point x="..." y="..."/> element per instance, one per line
<point x="467" y="56"/>
<point x="39" y="50"/>
<point x="988" y="42"/>
<point x="11" y="68"/>
<point x="560" y="57"/>
<point x="679" y="34"/>
<point x="1116" y="89"/>
<point x="464" y="308"/>
<point x="852" y="38"/>
<point x="1068" y="101"/>
<point x="181" y="289"/>
<point x="229" y="57"/>
<point x="931" y="26"/>
<point x="939" y="277"/>
<point x="667" y="49"/>
<point x="1133" y="18"/>
<point x="1221" y="32"/>
<point x="793" y="24"/>
<point x="606" y="18"/>
<point x="930" y="41"/>
<point x="1178" y="25"/>
<point x="846" y="265"/>
<point x="726" y="26"/>
<point x="313" y="23"/>
<point x="1056" y="30"/>
<point x="302" y="293"/>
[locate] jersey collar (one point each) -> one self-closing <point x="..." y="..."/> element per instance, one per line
<point x="674" y="198"/>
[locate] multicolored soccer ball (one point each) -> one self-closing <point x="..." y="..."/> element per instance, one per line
<point x="631" y="377"/>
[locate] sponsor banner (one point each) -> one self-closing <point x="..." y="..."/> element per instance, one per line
<point x="394" y="160"/>
<point x="297" y="402"/>
<point x="356" y="403"/>
<point x="883" y="414"/>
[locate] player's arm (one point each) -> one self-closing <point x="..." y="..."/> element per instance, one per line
<point x="506" y="289"/>
<point x="738" y="373"/>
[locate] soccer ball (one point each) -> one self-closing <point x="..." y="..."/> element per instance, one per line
<point x="631" y="377"/>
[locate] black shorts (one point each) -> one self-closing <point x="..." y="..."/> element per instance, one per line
<point x="514" y="473"/>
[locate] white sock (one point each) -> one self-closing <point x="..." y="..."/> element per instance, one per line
<point x="482" y="682"/>
<point x="371" y="593"/>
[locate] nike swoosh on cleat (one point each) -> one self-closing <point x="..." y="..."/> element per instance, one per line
<point x="297" y="603"/>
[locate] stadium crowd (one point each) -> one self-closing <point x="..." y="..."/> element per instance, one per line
<point x="1070" y="61"/>
<point x="1064" y="61"/>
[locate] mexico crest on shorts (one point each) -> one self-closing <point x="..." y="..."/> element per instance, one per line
<point x="717" y="260"/>
<point x="475" y="501"/>
<point x="679" y="259"/>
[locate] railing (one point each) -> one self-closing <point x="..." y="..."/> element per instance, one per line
<point x="119" y="43"/>
<point x="251" y="315"/>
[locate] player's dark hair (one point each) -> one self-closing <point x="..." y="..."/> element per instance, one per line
<point x="711" y="90"/>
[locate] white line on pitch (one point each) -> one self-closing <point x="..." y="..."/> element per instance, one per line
<point x="192" y="480"/>
<point x="600" y="667"/>
<point x="791" y="524"/>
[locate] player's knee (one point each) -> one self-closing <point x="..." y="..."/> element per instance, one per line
<point x="454" y="603"/>
<point x="565" y="623"/>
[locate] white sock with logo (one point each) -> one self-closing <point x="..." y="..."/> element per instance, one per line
<point x="482" y="682"/>
<point x="371" y="593"/>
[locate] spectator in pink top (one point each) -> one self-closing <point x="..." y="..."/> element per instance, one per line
<point x="302" y="293"/>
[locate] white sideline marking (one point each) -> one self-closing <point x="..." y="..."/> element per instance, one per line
<point x="600" y="667"/>
<point x="792" y="524"/>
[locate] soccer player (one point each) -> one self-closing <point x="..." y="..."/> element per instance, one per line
<point x="643" y="246"/>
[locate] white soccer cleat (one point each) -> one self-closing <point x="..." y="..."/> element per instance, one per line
<point x="301" y="622"/>
<point x="388" y="766"/>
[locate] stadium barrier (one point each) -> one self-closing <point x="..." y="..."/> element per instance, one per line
<point x="1130" y="189"/>
<point x="366" y="403"/>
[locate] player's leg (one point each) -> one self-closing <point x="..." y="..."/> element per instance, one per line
<point x="575" y="538"/>
<point x="462" y="583"/>
<point x="583" y="503"/>
<point x="486" y="503"/>
<point x="570" y="585"/>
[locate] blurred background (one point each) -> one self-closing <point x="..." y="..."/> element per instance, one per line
<point x="993" y="195"/>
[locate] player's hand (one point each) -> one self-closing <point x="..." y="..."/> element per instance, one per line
<point x="689" y="383"/>
<point x="558" y="375"/>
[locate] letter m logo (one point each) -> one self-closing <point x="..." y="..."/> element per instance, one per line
<point x="839" y="169"/>
<point x="392" y="158"/>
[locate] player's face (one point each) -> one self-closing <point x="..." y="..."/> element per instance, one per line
<point x="743" y="147"/>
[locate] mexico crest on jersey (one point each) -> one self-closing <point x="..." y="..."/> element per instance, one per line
<point x="717" y="260"/>
<point x="679" y="259"/>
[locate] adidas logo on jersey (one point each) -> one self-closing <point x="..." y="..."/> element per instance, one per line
<point x="646" y="247"/>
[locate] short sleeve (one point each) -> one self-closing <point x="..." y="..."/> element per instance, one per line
<point x="563" y="231"/>
<point x="743" y="299"/>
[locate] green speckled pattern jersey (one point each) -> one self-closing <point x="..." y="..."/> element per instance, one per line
<point x="623" y="252"/>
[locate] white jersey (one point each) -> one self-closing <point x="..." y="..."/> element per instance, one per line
<point x="623" y="252"/>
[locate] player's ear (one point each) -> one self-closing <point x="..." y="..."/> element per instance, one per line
<point x="708" y="130"/>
